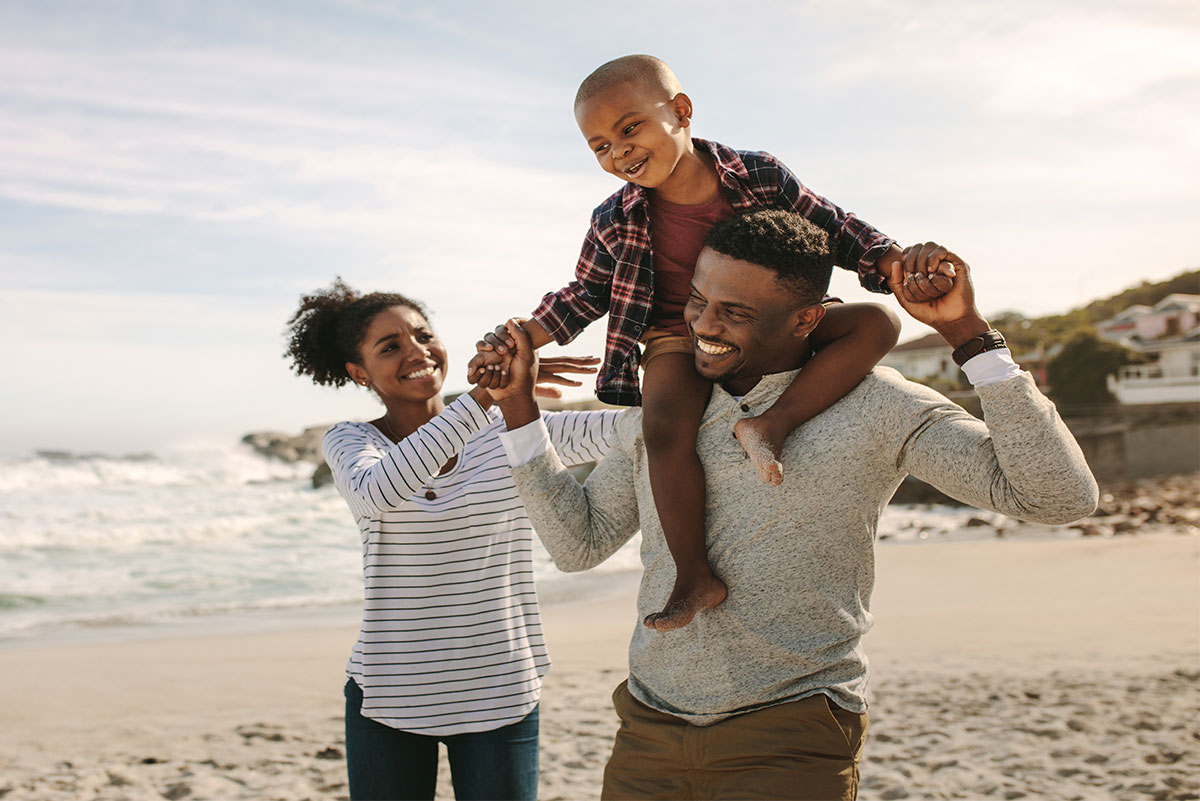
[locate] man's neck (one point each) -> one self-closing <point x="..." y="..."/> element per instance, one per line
<point x="740" y="387"/>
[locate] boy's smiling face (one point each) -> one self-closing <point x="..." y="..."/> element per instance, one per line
<point x="637" y="133"/>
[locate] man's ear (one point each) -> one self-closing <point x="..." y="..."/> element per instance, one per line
<point x="357" y="374"/>
<point x="682" y="104"/>
<point x="806" y="318"/>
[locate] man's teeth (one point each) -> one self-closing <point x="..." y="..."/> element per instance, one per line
<point x="421" y="373"/>
<point x="711" y="349"/>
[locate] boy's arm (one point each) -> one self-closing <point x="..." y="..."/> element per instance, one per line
<point x="561" y="315"/>
<point x="565" y="313"/>
<point x="856" y="245"/>
<point x="849" y="340"/>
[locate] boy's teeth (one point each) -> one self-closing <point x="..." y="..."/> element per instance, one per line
<point x="712" y="349"/>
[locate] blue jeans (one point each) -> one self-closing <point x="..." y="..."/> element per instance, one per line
<point x="386" y="763"/>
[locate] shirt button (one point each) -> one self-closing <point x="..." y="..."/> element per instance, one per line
<point x="430" y="495"/>
<point x="745" y="408"/>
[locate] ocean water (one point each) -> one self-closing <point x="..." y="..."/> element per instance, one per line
<point x="91" y="542"/>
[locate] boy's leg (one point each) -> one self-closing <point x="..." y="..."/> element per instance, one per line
<point x="674" y="397"/>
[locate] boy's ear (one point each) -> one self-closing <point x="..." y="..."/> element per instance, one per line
<point x="682" y="104"/>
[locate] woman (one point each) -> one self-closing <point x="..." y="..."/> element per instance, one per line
<point x="451" y="646"/>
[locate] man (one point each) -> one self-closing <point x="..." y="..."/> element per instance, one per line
<point x="765" y="696"/>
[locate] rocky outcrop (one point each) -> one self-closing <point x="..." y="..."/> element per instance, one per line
<point x="1166" y="502"/>
<point x="302" y="447"/>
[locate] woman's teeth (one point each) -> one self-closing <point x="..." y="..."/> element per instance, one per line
<point x="421" y="373"/>
<point x="711" y="349"/>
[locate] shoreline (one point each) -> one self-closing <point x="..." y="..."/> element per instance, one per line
<point x="975" y="526"/>
<point x="1051" y="668"/>
<point x="581" y="588"/>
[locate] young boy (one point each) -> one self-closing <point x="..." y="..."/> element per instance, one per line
<point x="636" y="265"/>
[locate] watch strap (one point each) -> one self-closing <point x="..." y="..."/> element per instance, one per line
<point x="988" y="340"/>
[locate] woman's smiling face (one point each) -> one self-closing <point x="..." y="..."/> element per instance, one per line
<point x="402" y="356"/>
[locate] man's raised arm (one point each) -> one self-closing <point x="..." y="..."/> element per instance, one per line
<point x="1022" y="461"/>
<point x="580" y="526"/>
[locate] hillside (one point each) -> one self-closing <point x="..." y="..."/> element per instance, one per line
<point x="1025" y="334"/>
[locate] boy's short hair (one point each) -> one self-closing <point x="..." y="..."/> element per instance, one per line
<point x="784" y="243"/>
<point x="647" y="71"/>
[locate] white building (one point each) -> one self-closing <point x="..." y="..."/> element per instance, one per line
<point x="1173" y="376"/>
<point x="923" y="358"/>
<point x="1169" y="334"/>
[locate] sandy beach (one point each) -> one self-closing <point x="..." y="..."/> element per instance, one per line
<point x="1028" y="668"/>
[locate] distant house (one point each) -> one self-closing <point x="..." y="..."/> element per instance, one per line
<point x="923" y="358"/>
<point x="1171" y="316"/>
<point x="1167" y="333"/>
<point x="1124" y="325"/>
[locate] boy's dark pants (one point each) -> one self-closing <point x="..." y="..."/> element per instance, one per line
<point x="805" y="749"/>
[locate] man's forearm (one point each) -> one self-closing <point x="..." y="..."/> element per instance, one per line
<point x="580" y="527"/>
<point x="960" y="331"/>
<point x="519" y="411"/>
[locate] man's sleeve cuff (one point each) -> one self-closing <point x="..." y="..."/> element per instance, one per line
<point x="526" y="443"/>
<point x="991" y="367"/>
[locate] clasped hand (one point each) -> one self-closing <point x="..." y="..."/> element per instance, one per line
<point x="507" y="366"/>
<point x="951" y="313"/>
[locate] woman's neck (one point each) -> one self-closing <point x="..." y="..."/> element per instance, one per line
<point x="405" y="418"/>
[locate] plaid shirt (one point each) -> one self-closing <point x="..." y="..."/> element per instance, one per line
<point x="615" y="273"/>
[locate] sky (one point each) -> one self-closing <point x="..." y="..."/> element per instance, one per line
<point x="174" y="175"/>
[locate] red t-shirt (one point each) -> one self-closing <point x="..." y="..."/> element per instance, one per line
<point x="677" y="236"/>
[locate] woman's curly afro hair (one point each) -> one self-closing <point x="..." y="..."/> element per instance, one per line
<point x="328" y="329"/>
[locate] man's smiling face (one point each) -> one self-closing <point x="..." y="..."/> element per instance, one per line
<point x="744" y="323"/>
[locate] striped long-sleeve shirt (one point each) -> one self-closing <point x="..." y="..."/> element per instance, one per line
<point x="451" y="640"/>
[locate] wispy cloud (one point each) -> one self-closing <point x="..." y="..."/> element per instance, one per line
<point x="173" y="174"/>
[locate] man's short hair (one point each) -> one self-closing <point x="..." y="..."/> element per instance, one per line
<point x="642" y="70"/>
<point x="784" y="243"/>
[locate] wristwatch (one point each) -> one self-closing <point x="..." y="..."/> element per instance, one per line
<point x="988" y="340"/>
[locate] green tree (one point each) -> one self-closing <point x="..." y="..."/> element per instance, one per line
<point x="1078" y="374"/>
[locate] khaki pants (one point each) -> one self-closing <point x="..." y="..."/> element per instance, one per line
<point x="806" y="750"/>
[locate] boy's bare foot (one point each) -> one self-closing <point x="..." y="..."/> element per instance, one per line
<point x="688" y="598"/>
<point x="763" y="445"/>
